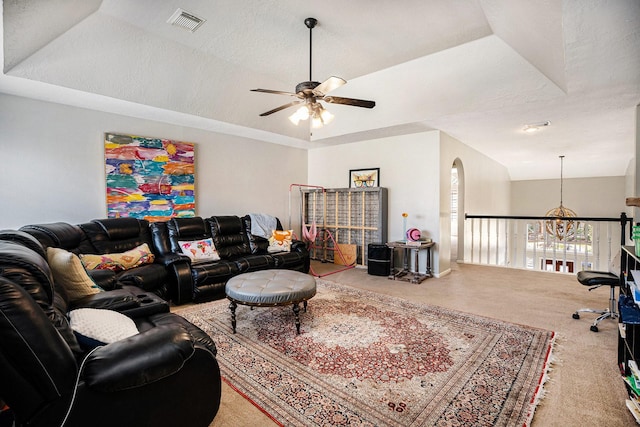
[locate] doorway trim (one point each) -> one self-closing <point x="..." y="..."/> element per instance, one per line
<point x="457" y="164"/>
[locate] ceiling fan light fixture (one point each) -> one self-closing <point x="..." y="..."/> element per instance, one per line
<point x="301" y="113"/>
<point x="294" y="118"/>
<point x="316" y="121"/>
<point x="326" y="116"/>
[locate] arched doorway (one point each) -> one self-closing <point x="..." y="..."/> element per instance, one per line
<point x="457" y="211"/>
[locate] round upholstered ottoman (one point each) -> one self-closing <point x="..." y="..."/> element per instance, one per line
<point x="270" y="288"/>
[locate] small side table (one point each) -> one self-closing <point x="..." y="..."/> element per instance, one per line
<point x="405" y="273"/>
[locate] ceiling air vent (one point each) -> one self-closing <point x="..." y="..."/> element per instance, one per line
<point x="185" y="20"/>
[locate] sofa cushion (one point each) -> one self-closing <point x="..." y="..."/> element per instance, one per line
<point x="120" y="228"/>
<point x="115" y="235"/>
<point x="229" y="236"/>
<point x="68" y="272"/>
<point x="25" y="239"/>
<point x="58" y="234"/>
<point x="294" y="260"/>
<point x="94" y="327"/>
<point x="250" y="263"/>
<point x="213" y="272"/>
<point x="194" y="227"/>
<point x="119" y="261"/>
<point x="199" y="250"/>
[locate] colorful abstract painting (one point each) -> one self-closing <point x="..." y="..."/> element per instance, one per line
<point x="149" y="178"/>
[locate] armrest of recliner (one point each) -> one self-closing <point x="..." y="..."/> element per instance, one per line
<point x="138" y="360"/>
<point x="171" y="258"/>
<point x="116" y="300"/>
<point x="180" y="286"/>
<point x="298" y="246"/>
<point x="106" y="279"/>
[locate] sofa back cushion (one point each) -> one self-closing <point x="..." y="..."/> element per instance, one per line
<point x="187" y="229"/>
<point x="24" y="239"/>
<point x="60" y="235"/>
<point x="229" y="236"/>
<point x="116" y="235"/>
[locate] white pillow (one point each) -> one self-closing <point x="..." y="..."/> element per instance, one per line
<point x="199" y="250"/>
<point x="94" y="327"/>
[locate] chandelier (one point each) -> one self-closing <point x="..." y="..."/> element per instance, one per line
<point x="558" y="227"/>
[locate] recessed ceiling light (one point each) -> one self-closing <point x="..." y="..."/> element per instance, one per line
<point x="535" y="127"/>
<point x="185" y="20"/>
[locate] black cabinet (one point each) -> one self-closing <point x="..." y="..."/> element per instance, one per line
<point x="379" y="255"/>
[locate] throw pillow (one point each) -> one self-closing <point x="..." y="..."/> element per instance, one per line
<point x="119" y="261"/>
<point x="69" y="273"/>
<point x="94" y="327"/>
<point x="199" y="250"/>
<point x="280" y="241"/>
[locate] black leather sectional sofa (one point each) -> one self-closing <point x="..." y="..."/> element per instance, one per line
<point x="172" y="276"/>
<point x="50" y="376"/>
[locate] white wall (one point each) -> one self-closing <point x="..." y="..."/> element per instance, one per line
<point x="416" y="170"/>
<point x="587" y="197"/>
<point x="633" y="174"/>
<point x="52" y="165"/>
<point x="485" y="190"/>
<point x="630" y="184"/>
<point x="594" y="197"/>
<point x="409" y="169"/>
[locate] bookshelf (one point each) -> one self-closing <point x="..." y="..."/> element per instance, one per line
<point x="629" y="328"/>
<point x="354" y="216"/>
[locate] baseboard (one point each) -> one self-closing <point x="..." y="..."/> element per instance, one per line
<point x="442" y="274"/>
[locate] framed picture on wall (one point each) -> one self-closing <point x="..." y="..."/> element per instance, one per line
<point x="149" y="178"/>
<point x="363" y="178"/>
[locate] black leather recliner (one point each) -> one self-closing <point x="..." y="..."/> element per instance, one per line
<point x="166" y="375"/>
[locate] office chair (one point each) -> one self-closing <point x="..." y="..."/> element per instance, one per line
<point x="595" y="279"/>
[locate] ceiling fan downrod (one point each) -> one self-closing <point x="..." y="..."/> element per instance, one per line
<point x="310" y="23"/>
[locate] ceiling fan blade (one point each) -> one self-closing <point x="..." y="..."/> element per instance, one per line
<point x="282" y="107"/>
<point x="350" y="101"/>
<point x="277" y="92"/>
<point x="328" y="85"/>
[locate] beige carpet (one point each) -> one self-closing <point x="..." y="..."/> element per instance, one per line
<point x="584" y="388"/>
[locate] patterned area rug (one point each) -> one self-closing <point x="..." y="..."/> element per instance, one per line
<point x="368" y="359"/>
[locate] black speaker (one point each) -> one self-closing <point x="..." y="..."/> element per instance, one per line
<point x="379" y="259"/>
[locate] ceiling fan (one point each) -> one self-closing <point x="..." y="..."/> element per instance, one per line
<point x="310" y="92"/>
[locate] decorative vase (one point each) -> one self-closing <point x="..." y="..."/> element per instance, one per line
<point x="404" y="226"/>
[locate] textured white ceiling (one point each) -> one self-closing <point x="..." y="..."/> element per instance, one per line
<point x="478" y="70"/>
